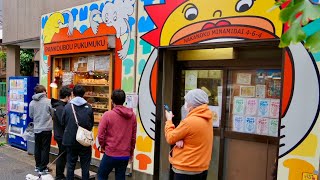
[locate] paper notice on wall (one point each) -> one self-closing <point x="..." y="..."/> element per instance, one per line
<point x="273" y="127"/>
<point x="191" y="78"/>
<point x="216" y="111"/>
<point x="262" y="126"/>
<point x="239" y="105"/>
<point x="251" y="107"/>
<point x="102" y="63"/>
<point x="263" y="107"/>
<point x="244" y="78"/>
<point x="131" y="100"/>
<point x="238" y="123"/>
<point x="274" y="108"/>
<point x="90" y="64"/>
<point x="75" y="66"/>
<point x="260" y="91"/>
<point x="250" y="125"/>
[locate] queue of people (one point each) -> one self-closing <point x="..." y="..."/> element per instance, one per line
<point x="193" y="137"/>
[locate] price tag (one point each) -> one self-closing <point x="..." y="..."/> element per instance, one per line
<point x="309" y="176"/>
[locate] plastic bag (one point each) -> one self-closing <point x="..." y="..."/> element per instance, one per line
<point x="28" y="133"/>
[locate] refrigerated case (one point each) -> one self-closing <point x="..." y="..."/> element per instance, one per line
<point x="20" y="96"/>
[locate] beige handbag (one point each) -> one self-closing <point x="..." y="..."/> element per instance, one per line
<point x="84" y="137"/>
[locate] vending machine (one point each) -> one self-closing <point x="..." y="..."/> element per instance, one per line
<point x="19" y="97"/>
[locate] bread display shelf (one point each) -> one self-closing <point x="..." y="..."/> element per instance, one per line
<point x="104" y="97"/>
<point x="100" y="108"/>
<point x="100" y="85"/>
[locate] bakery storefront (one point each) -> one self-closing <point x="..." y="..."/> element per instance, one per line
<point x="265" y="98"/>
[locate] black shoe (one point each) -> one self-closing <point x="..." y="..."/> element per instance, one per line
<point x="45" y="171"/>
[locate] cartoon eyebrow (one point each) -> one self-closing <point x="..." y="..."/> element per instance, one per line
<point x="187" y="5"/>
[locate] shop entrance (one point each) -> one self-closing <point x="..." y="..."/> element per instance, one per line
<point x="243" y="81"/>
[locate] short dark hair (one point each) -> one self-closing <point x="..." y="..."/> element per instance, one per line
<point x="39" y="89"/>
<point x="78" y="90"/>
<point x="64" y="92"/>
<point x="118" y="97"/>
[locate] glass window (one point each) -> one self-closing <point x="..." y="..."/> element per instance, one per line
<point x="209" y="81"/>
<point x="253" y="101"/>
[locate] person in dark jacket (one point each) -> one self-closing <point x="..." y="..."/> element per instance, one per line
<point x="117" y="137"/>
<point x="85" y="118"/>
<point x="58" y="106"/>
<point x="40" y="112"/>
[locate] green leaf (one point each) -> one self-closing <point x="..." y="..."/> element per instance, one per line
<point x="294" y="35"/>
<point x="313" y="42"/>
<point x="289" y="13"/>
<point x="310" y="12"/>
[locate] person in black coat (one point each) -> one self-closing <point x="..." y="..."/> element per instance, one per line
<point x="85" y="118"/>
<point x="58" y="106"/>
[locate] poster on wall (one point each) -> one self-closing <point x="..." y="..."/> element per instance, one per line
<point x="273" y="127"/>
<point x="274" y="108"/>
<point x="263" y="109"/>
<point x="238" y="105"/>
<point x="191" y="80"/>
<point x="250" y="125"/>
<point x="260" y="91"/>
<point x="244" y="78"/>
<point x="238" y="123"/>
<point x="251" y="107"/>
<point x="262" y="126"/>
<point x="90" y="64"/>
<point x="247" y="91"/>
<point x="102" y="63"/>
<point x="131" y="100"/>
<point x="216" y="111"/>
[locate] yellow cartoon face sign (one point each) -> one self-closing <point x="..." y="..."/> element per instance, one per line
<point x="52" y="26"/>
<point x="196" y="21"/>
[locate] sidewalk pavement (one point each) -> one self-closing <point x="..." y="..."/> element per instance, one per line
<point x="15" y="164"/>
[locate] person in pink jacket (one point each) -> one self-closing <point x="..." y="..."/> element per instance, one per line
<point x="117" y="137"/>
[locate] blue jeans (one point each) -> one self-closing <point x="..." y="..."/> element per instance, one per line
<point x="108" y="163"/>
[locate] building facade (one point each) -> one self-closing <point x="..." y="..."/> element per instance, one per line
<point x="129" y="44"/>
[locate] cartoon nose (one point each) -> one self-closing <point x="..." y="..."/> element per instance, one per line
<point x="217" y="14"/>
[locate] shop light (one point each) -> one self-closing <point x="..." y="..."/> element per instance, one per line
<point x="206" y="54"/>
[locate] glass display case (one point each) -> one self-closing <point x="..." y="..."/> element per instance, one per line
<point x="93" y="72"/>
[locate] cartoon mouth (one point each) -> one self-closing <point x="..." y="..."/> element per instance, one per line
<point x="244" y="27"/>
<point x="210" y="25"/>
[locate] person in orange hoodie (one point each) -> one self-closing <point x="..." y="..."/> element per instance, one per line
<point x="191" y="156"/>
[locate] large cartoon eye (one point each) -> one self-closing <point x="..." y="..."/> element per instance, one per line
<point x="244" y="5"/>
<point x="190" y="12"/>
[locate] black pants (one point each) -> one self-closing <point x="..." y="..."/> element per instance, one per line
<point x="202" y="176"/>
<point x="42" y="149"/>
<point x="73" y="152"/>
<point x="61" y="161"/>
<point x="108" y="163"/>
